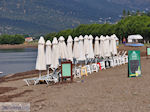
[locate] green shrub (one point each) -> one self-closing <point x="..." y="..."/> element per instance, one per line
<point x="127" y="26"/>
<point x="11" y="39"/>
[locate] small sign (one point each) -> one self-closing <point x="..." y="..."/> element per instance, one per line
<point x="84" y="71"/>
<point x="134" y="65"/>
<point x="14" y="107"/>
<point x="66" y="70"/>
<point x="147" y="51"/>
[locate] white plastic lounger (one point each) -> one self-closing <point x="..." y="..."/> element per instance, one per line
<point x="47" y="78"/>
<point x="30" y="80"/>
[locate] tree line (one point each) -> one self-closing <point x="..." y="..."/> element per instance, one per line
<point x="129" y="25"/>
<point x="11" y="39"/>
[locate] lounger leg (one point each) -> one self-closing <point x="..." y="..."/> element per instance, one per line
<point x="36" y="81"/>
<point x="27" y="83"/>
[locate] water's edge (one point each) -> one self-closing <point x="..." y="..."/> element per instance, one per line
<point x="14" y="61"/>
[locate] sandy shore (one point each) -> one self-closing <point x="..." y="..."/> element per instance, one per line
<point x="27" y="45"/>
<point x="108" y="90"/>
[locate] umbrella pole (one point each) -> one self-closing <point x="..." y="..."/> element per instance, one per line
<point x="47" y="69"/>
<point x="40" y="73"/>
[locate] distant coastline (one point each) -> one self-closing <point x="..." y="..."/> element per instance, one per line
<point x="26" y="45"/>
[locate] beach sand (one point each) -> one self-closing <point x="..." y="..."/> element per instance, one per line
<point x="108" y="90"/>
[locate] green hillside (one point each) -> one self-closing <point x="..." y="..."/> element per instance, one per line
<point x="38" y="17"/>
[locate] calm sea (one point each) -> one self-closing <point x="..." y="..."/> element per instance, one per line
<point x="17" y="60"/>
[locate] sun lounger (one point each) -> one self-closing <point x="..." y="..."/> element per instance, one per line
<point x="30" y="80"/>
<point x="52" y="77"/>
<point x="46" y="78"/>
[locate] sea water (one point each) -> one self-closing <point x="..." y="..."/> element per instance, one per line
<point x="17" y="60"/>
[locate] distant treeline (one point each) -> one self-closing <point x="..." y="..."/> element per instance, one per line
<point x="11" y="39"/>
<point x="129" y="25"/>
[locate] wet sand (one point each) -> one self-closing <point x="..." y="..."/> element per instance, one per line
<point x="108" y="90"/>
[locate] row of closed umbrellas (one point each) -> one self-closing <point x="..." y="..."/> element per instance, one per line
<point x="81" y="49"/>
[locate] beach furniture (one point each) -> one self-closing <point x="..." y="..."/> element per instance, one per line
<point x="77" y="72"/>
<point x="30" y="81"/>
<point x="88" y="68"/>
<point x="111" y="62"/>
<point x="99" y="65"/>
<point x="102" y="65"/>
<point x="126" y="57"/>
<point x="107" y="63"/>
<point x="117" y="59"/>
<point x="36" y="80"/>
<point x="84" y="71"/>
<point x="52" y="77"/>
<point x="123" y="58"/>
<point x="94" y="67"/>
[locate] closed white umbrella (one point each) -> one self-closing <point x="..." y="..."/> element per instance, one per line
<point x="62" y="48"/>
<point x="48" y="55"/>
<point x="102" y="47"/>
<point x="55" y="52"/>
<point x="40" y="62"/>
<point x="107" y="48"/>
<point x="115" y="37"/>
<point x="86" y="44"/>
<point x="96" y="46"/>
<point x="91" y="52"/>
<point x="110" y="44"/>
<point x="69" y="48"/>
<point x="81" y="47"/>
<point x="76" y="48"/>
<point x="114" y="48"/>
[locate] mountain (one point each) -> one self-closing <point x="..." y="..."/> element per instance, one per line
<point x="37" y="17"/>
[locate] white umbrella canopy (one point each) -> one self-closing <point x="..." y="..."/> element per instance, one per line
<point x="91" y="52"/>
<point x="86" y="44"/>
<point x="135" y="37"/>
<point x="107" y="48"/>
<point x="96" y="46"/>
<point x="110" y="44"/>
<point x="41" y="62"/>
<point x="62" y="48"/>
<point x="48" y="53"/>
<point x="81" y="47"/>
<point x="116" y="38"/>
<point x="114" y="45"/>
<point x="55" y="52"/>
<point x="102" y="47"/>
<point x="76" y="48"/>
<point x="69" y="48"/>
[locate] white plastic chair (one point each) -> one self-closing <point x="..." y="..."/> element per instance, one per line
<point x="77" y="73"/>
<point x="88" y="68"/>
<point x="102" y="65"/>
<point x="94" y="67"/>
<point x="111" y="62"/>
<point x="123" y="57"/>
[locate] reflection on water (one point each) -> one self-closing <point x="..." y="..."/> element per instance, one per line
<point x="17" y="60"/>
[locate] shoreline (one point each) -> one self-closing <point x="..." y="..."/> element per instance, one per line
<point x="19" y="75"/>
<point x="19" y="46"/>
